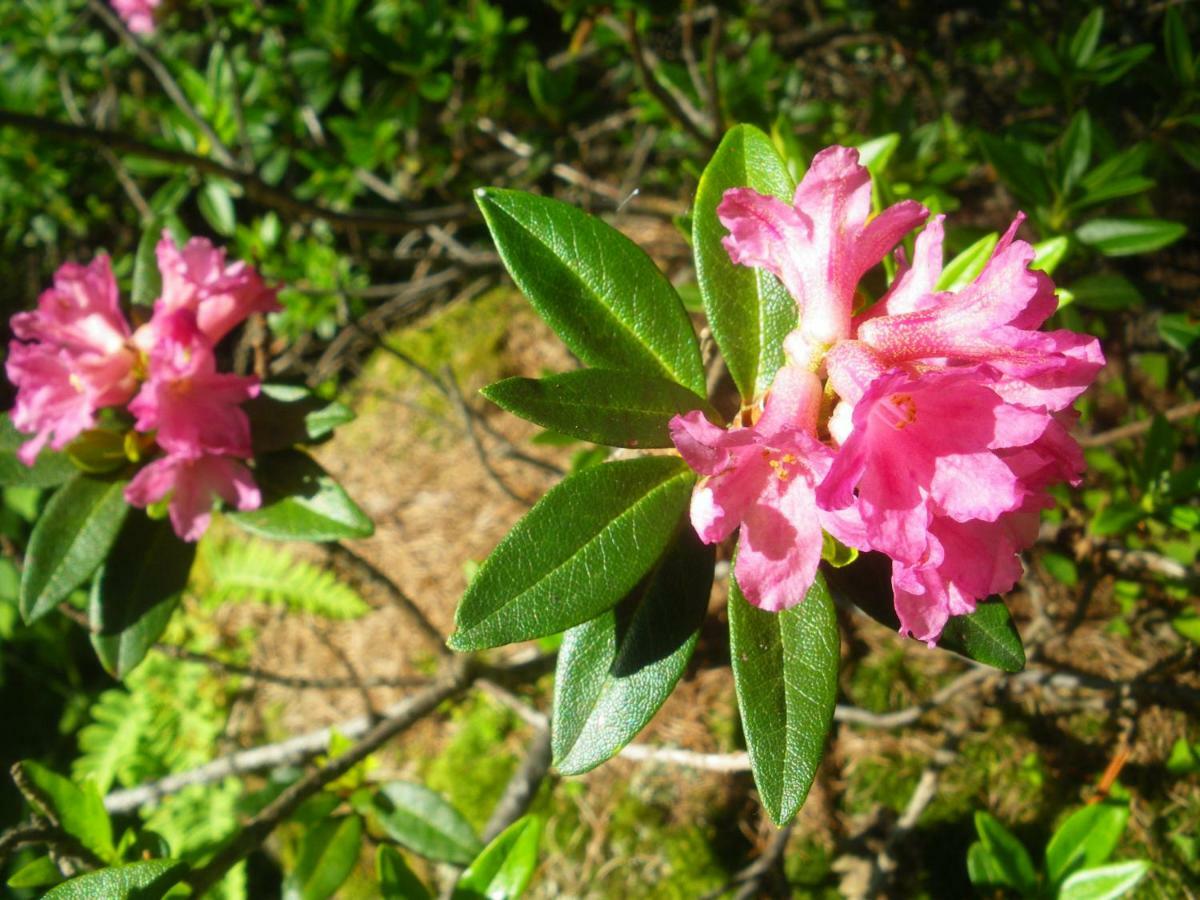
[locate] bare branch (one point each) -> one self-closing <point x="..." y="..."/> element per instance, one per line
<point x="1134" y="429"/>
<point x="671" y="98"/>
<point x="299" y="682"/>
<point x="522" y="787"/>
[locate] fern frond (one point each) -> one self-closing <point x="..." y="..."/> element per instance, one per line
<point x="260" y="572"/>
<point x="110" y="745"/>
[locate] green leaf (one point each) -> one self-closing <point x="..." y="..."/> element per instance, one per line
<point x="1013" y="867"/>
<point x="301" y="502"/>
<point x="1108" y="292"/>
<point x="147" y="279"/>
<point x="987" y="635"/>
<point x="1179" y="47"/>
<point x="1086" y="839"/>
<point x="283" y="415"/>
<point x="39" y="873"/>
<point x="597" y="289"/>
<point x="1124" y="237"/>
<point x="50" y="469"/>
<point x="78" y="809"/>
<point x="982" y="868"/>
<point x="416" y="817"/>
<point x="875" y="153"/>
<point x="216" y="205"/>
<point x="576" y="553"/>
<point x="1020" y="165"/>
<point x="1105" y="882"/>
<point x="615" y="671"/>
<point x="1111" y="190"/>
<point x="965" y="267"/>
<point x="70" y="540"/>
<point x="136" y="591"/>
<point x="1076" y="150"/>
<point x="506" y="866"/>
<point x="147" y="880"/>
<point x="1188" y="627"/>
<point x="396" y="880"/>
<point x="1049" y="253"/>
<point x="749" y="311"/>
<point x="327" y="855"/>
<point x="618" y="409"/>
<point x="1179" y="330"/>
<point x="785" y="668"/>
<point x="1086" y="39"/>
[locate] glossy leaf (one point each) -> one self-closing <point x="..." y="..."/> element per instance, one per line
<point x="1049" y="253"/>
<point x="1020" y="165"/>
<point x="77" y="808"/>
<point x="618" y="409"/>
<point x="71" y="538"/>
<point x="615" y="671"/>
<point x="982" y="868"/>
<point x="1104" y="882"/>
<point x="1124" y="237"/>
<point x="966" y="266"/>
<point x="597" y="289"/>
<point x="506" y="866"/>
<point x="1012" y="860"/>
<point x="147" y="880"/>
<point x="1076" y="150"/>
<point x="785" y="668"/>
<point x="136" y="591"/>
<point x="283" y="415"/>
<point x="50" y="469"/>
<point x="147" y="279"/>
<point x="576" y="553"/>
<point x="38" y="873"/>
<point x="1106" y="291"/>
<point x="987" y="635"/>
<point x="749" y="311"/>
<point x="1087" y="838"/>
<point x="396" y="880"/>
<point x="327" y="855"/>
<point x="301" y="502"/>
<point x="421" y="820"/>
<point x="1086" y="38"/>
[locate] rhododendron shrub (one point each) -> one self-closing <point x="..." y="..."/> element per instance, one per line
<point x="146" y="417"/>
<point x="885" y="443"/>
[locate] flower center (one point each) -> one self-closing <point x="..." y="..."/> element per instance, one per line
<point x="782" y="464"/>
<point x="898" y="411"/>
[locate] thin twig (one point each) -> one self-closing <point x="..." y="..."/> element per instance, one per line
<point x="245" y="147"/>
<point x="668" y="96"/>
<point x="753" y="881"/>
<point x="468" y="417"/>
<point x="298" y="682"/>
<point x="522" y="787"/>
<point x="1134" y="429"/>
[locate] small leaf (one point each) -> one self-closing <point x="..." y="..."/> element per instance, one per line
<point x="1086" y="39"/>
<point x="749" y="311"/>
<point x="216" y="205"/>
<point x="506" y="866"/>
<point x="1086" y="839"/>
<point x="417" y="818"/>
<point x="1179" y="330"/>
<point x="147" y="279"/>
<point x="39" y="873"/>
<point x="283" y="415"/>
<point x="136" y="591"/>
<point x="327" y="855"/>
<point x="1076" y="150"/>
<point x="49" y="470"/>
<point x="576" y="553"/>
<point x="1179" y="47"/>
<point x="78" y="809"/>
<point x="1105" y="882"/>
<point x="301" y="502"/>
<point x="1012" y="861"/>
<point x="147" y="880"/>
<point x="70" y="540"/>
<point x="983" y="868"/>
<point x="618" y="409"/>
<point x="785" y="669"/>
<point x="1049" y="253"/>
<point x="987" y="635"/>
<point x="597" y="289"/>
<point x="1124" y="237"/>
<point x="1106" y="292"/>
<point x="965" y="267"/>
<point x="396" y="880"/>
<point x="615" y="671"/>
<point x="1020" y="165"/>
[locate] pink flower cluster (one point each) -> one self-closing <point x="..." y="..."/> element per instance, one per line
<point x="138" y="14"/>
<point x="927" y="427"/>
<point x="76" y="354"/>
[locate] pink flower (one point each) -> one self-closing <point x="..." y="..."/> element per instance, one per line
<point x="196" y="278"/>
<point x="138" y="14"/>
<point x="75" y="359"/>
<point x="762" y="478"/>
<point x="193" y="484"/>
<point x="820" y="246"/>
<point x="994" y="320"/>
<point x="193" y="408"/>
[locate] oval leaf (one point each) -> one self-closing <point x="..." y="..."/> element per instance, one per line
<point x="416" y="817"/>
<point x="615" y="671"/>
<point x="301" y="502"/>
<point x="749" y="311"/>
<point x="1010" y="858"/>
<point x="79" y="809"/>
<point x="1124" y="237"/>
<point x="965" y="267"/>
<point x="618" y="409"/>
<point x="327" y="855"/>
<point x="147" y="880"/>
<point x="396" y="880"/>
<point x="71" y="538"/>
<point x="1105" y="882"/>
<point x="576" y="553"/>
<point x="597" y="289"/>
<point x="987" y="635"/>
<point x="136" y="591"/>
<point x="1087" y="838"/>
<point x="785" y="668"/>
<point x="506" y="866"/>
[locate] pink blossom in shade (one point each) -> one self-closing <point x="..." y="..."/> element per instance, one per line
<point x="193" y="408"/>
<point x="195" y="277"/>
<point x="138" y="14"/>
<point x="193" y="484"/>
<point x="70" y="357"/>
<point x="820" y="245"/>
<point x="761" y="478"/>
<point x="925" y="445"/>
<point x="993" y="320"/>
